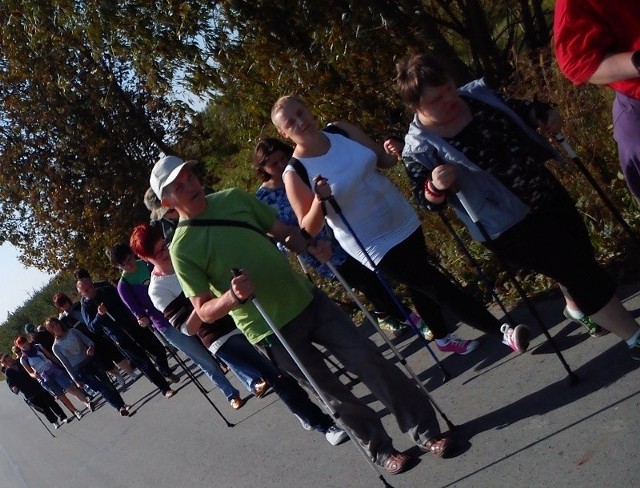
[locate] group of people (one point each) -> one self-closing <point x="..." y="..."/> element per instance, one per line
<point x="195" y="272"/>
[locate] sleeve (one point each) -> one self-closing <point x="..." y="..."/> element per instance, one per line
<point x="82" y="338"/>
<point x="57" y="351"/>
<point x="129" y="298"/>
<point x="262" y="215"/>
<point x="95" y="323"/>
<point x="193" y="279"/>
<point x="581" y="39"/>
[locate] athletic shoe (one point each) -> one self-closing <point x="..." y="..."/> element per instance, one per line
<point x="57" y="424"/>
<point x="124" y="411"/>
<point x="635" y="350"/>
<point x="169" y="393"/>
<point x="236" y="403"/>
<point x="260" y="389"/>
<point x="517" y="338"/>
<point x="456" y="345"/>
<point x="391" y="325"/>
<point x="335" y="435"/>
<point x="64" y="420"/>
<point x="77" y="414"/>
<point x="594" y="329"/>
<point x="418" y="322"/>
<point x="304" y="423"/>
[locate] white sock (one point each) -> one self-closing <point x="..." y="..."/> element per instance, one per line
<point x="574" y="313"/>
<point x="634" y="338"/>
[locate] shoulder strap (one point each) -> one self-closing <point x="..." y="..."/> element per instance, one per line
<point x="334" y="129"/>
<point x="299" y="167"/>
<point x="221" y="223"/>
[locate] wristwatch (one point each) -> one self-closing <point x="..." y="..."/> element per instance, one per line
<point x="635" y="60"/>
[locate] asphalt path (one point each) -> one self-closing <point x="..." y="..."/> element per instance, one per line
<point x="519" y="422"/>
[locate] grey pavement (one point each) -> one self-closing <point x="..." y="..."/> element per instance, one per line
<point x="519" y="422"/>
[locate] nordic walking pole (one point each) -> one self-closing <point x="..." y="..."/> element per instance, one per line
<point x="397" y="353"/>
<point x="573" y="377"/>
<point x="474" y="262"/>
<point x="191" y="376"/>
<point x="541" y="114"/>
<point x="312" y="382"/>
<point x="585" y="172"/>
<point x="336" y="207"/>
<point x="195" y="380"/>
<point x="38" y="416"/>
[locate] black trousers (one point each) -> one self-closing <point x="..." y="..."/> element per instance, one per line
<point x="408" y="263"/>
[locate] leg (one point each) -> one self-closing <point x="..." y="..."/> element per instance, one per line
<point x="626" y="126"/>
<point x="97" y="380"/>
<point x="139" y="357"/>
<point x="44" y="403"/>
<point x="195" y="350"/>
<point x="408" y="263"/>
<point x="238" y="352"/>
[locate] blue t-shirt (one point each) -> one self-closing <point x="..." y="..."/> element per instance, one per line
<point x="277" y="198"/>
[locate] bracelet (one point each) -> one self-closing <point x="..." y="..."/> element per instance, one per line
<point x="431" y="190"/>
<point x="237" y="298"/>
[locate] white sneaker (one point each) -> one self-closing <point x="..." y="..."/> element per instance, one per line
<point x="335" y="435"/>
<point x="304" y="423"/>
<point x="57" y="424"/>
<point x="77" y="414"/>
<point x="517" y="338"/>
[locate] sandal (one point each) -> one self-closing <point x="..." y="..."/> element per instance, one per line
<point x="396" y="462"/>
<point x="438" y="446"/>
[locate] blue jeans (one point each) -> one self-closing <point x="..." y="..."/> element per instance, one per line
<point x="194" y="349"/>
<point x="238" y="351"/>
<point x="97" y="379"/>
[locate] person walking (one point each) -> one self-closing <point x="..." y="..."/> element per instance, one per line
<point x="76" y="353"/>
<point x="348" y="160"/>
<point x="270" y="158"/>
<point x="203" y="257"/>
<point x="471" y="142"/>
<point x="19" y="382"/>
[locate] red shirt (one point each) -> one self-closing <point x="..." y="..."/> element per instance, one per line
<point x="586" y="30"/>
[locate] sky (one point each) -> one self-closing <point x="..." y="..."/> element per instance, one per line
<point x="17" y="283"/>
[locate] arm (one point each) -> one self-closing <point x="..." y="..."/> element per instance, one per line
<point x="30" y="371"/>
<point x="132" y="302"/>
<point x="57" y="351"/>
<point x="192" y="324"/>
<point x="306" y="206"/>
<point x="614" y="67"/>
<point x="210" y="308"/>
<point x="385" y="160"/>
<point x="583" y="44"/>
